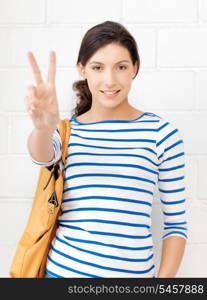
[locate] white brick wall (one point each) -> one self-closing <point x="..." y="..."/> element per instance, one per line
<point x="172" y="41"/>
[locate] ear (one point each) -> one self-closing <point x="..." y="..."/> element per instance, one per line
<point x="81" y="70"/>
<point x="135" y="69"/>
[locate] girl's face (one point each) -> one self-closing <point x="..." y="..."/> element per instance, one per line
<point x="109" y="73"/>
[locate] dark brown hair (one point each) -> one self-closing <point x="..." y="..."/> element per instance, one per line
<point x="95" y="38"/>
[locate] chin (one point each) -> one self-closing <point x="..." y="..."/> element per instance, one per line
<point x="110" y="103"/>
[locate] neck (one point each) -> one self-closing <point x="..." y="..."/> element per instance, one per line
<point x="122" y="112"/>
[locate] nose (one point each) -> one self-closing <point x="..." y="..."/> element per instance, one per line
<point x="109" y="79"/>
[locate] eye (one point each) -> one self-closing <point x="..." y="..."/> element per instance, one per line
<point x="96" y="68"/>
<point x="122" y="67"/>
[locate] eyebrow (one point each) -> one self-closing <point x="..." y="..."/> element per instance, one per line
<point x="100" y="63"/>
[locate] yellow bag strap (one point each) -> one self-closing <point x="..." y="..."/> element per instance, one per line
<point x="64" y="127"/>
<point x="64" y="130"/>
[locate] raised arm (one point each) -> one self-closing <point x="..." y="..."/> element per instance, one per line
<point x="42" y="106"/>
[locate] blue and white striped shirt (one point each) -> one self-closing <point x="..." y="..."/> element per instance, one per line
<point x="112" y="168"/>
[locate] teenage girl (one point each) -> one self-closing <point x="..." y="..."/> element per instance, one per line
<point x="117" y="155"/>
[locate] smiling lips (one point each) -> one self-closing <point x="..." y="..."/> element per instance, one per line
<point x="110" y="93"/>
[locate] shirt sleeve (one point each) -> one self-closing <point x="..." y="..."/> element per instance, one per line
<point x="57" y="146"/>
<point x="171" y="180"/>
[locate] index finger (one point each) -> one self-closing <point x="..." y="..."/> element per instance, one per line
<point x="52" y="68"/>
<point x="35" y="67"/>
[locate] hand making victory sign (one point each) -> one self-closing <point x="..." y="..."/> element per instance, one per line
<point x="41" y="100"/>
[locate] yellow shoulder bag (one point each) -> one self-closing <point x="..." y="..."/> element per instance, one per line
<point x="33" y="247"/>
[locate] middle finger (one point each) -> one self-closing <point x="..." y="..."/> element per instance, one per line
<point x="35" y="68"/>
